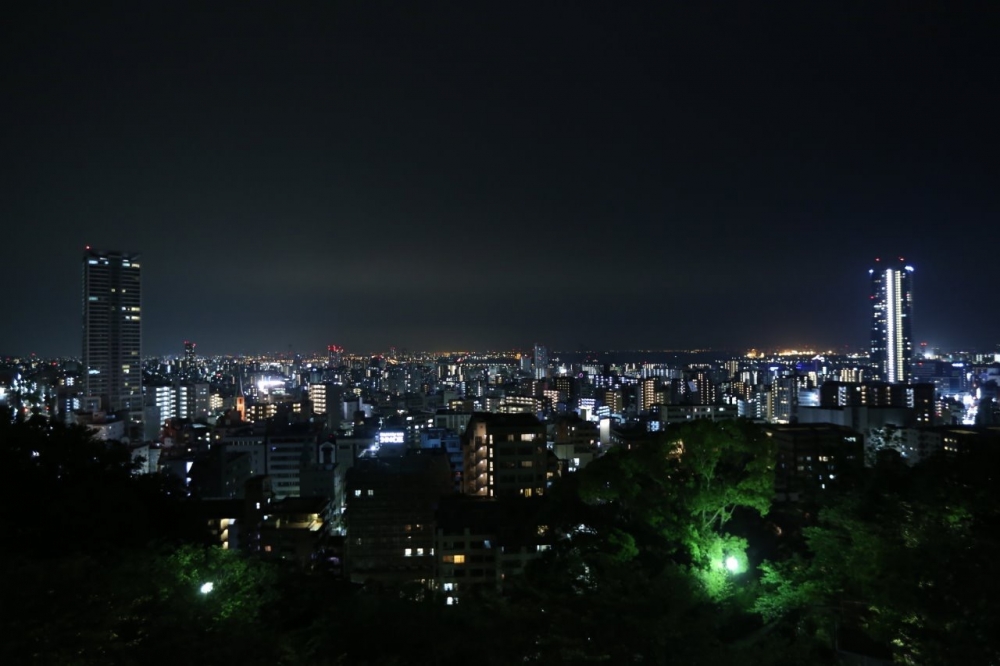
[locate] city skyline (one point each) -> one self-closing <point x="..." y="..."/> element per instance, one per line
<point x="456" y="177"/>
<point x="883" y="335"/>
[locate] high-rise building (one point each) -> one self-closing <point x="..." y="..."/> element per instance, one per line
<point x="336" y="355"/>
<point x="112" y="330"/>
<point x="611" y="398"/>
<point x="541" y="362"/>
<point x="506" y="456"/>
<point x="189" y="353"/>
<point x="892" y="314"/>
<point x="646" y="394"/>
<point x="327" y="398"/>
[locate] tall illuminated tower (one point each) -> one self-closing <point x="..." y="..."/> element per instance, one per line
<point x="112" y="329"/>
<point x="892" y="316"/>
<point x="541" y="362"/>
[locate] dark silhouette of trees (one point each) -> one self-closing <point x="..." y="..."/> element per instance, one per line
<point x="656" y="562"/>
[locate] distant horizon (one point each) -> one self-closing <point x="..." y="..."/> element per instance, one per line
<point x="554" y="353"/>
<point x="655" y="176"/>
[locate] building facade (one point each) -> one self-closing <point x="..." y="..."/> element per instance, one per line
<point x="541" y="362"/>
<point x="112" y="330"/>
<point x="389" y="517"/>
<point x="506" y="456"/>
<point x="892" y="315"/>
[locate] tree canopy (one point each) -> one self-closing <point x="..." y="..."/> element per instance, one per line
<point x="660" y="559"/>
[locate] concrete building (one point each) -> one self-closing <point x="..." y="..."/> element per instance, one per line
<point x="812" y="458"/>
<point x="287" y="455"/>
<point x="326" y="401"/>
<point x="916" y="397"/>
<point x="112" y="330"/>
<point x="675" y="414"/>
<point x="294" y="528"/>
<point x="506" y="456"/>
<point x="389" y="517"/>
<point x="444" y="439"/>
<point x="612" y="398"/>
<point x="480" y="543"/>
<point x="575" y="442"/>
<point x="647" y="394"/>
<point x="103" y="427"/>
<point x="541" y="363"/>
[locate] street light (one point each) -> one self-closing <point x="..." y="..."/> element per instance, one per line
<point x="731" y="563"/>
<point x="207" y="587"/>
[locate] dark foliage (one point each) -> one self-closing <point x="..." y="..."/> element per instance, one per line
<point x="102" y="569"/>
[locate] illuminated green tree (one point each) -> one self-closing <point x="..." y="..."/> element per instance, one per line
<point x="674" y="496"/>
<point x="724" y="466"/>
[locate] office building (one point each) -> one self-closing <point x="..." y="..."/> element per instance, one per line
<point x="892" y="314"/>
<point x="112" y="325"/>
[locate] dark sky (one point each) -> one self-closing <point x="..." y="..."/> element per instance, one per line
<point x="482" y="175"/>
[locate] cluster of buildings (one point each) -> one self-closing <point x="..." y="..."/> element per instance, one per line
<point x="435" y="467"/>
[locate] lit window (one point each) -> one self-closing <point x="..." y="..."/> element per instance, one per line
<point x="357" y="493"/>
<point x="408" y="552"/>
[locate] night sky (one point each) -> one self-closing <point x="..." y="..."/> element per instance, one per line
<point x="488" y="175"/>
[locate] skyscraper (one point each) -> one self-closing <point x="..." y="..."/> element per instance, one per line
<point x="541" y="362"/>
<point x="892" y="315"/>
<point x="189" y="353"/>
<point x="112" y="325"/>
